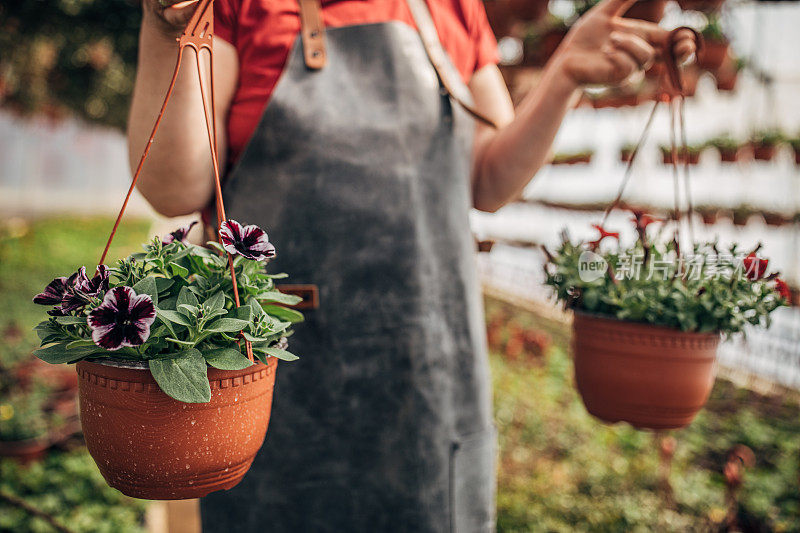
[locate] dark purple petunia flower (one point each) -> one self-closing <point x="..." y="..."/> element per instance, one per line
<point x="248" y="241"/>
<point x="179" y="234"/>
<point x="123" y="319"/>
<point x="81" y="289"/>
<point x="53" y="293"/>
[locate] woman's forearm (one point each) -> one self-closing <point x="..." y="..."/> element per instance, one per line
<point x="177" y="176"/>
<point x="511" y="156"/>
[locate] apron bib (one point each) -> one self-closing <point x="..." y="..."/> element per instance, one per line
<point x="359" y="172"/>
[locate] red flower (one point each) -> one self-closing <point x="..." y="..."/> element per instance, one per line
<point x="782" y="288"/>
<point x="603" y="235"/>
<point x="755" y="268"/>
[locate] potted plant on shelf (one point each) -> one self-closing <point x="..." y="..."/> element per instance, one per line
<point x="626" y="152"/>
<point x="741" y="214"/>
<point x="693" y="152"/>
<point x="715" y="45"/>
<point x="648" y="319"/>
<point x="765" y="144"/>
<point x="667" y="157"/>
<point x="728" y="73"/>
<point x="171" y="404"/>
<point x="573" y="158"/>
<point x="727" y="146"/>
<point x="709" y="213"/>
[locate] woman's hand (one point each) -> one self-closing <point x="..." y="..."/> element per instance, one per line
<point x="169" y="17"/>
<point x="605" y="49"/>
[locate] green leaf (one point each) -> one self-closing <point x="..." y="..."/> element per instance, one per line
<point x="284" y="313"/>
<point x="224" y="325"/>
<point x="71" y="320"/>
<point x="183" y="376"/>
<point x="227" y="359"/>
<point x="258" y="310"/>
<point x="147" y="286"/>
<point x="47" y="331"/>
<point x="281" y="354"/>
<point x="81" y="343"/>
<point x="189" y="311"/>
<point x="162" y="284"/>
<point x="186" y="296"/>
<point x="279" y="297"/>
<point x="173" y="316"/>
<point x="59" y="353"/>
<point x="217" y="301"/>
<point x="251" y="338"/>
<point x="244" y="312"/>
<point x="217" y="246"/>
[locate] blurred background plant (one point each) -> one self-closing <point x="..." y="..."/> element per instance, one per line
<point x="69" y="56"/>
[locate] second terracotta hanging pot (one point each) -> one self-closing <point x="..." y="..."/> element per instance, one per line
<point x="649" y="376"/>
<point x="151" y="446"/>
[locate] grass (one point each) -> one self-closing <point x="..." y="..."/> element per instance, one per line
<point x="560" y="470"/>
<point x="67" y="485"/>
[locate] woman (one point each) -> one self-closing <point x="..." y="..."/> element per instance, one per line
<point x="363" y="169"/>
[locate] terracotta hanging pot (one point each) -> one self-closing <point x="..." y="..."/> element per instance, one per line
<point x="151" y="446"/>
<point x="649" y="376"/>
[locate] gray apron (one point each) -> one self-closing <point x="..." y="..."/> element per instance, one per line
<point x="359" y="172"/>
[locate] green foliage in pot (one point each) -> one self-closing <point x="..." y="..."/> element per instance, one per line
<point x="768" y="137"/>
<point x="712" y="31"/>
<point x="724" y="143"/>
<point x="651" y="281"/>
<point x="172" y="309"/>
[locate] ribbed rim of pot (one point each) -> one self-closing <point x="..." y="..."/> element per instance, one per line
<point x="143" y="365"/>
<point x="657" y="327"/>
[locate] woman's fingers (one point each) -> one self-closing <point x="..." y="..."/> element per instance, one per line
<point x="623" y="65"/>
<point x="178" y="13"/>
<point x="652" y="33"/>
<point x="637" y="48"/>
<point x="684" y="47"/>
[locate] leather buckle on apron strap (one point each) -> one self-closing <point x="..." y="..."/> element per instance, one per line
<point x="309" y="294"/>
<point x="312" y="31"/>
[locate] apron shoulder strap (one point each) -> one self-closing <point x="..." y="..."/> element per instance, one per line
<point x="438" y="58"/>
<point x="312" y="31"/>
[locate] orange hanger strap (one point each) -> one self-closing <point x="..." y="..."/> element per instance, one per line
<point x="198" y="36"/>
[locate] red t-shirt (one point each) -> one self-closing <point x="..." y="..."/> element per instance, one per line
<point x="263" y="32"/>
